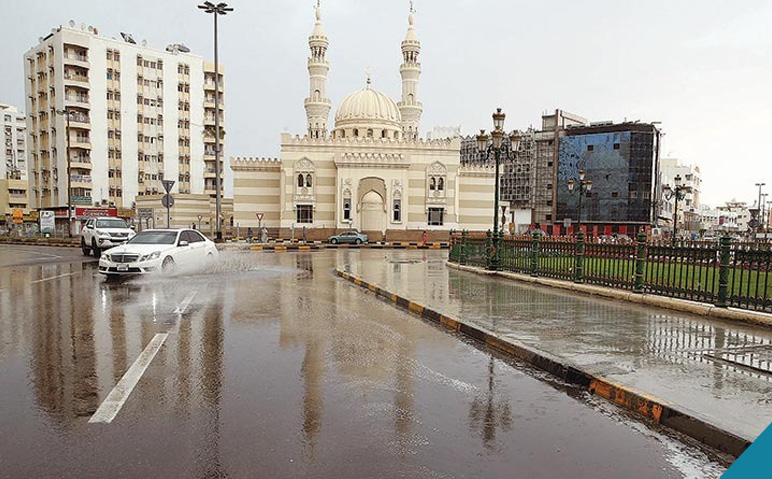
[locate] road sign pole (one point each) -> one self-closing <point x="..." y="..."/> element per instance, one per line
<point x="167" y="200"/>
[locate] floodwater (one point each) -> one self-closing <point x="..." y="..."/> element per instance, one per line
<point x="273" y="367"/>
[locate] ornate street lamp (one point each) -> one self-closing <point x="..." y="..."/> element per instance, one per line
<point x="217" y="10"/>
<point x="498" y="149"/>
<point x="584" y="187"/>
<point x="679" y="193"/>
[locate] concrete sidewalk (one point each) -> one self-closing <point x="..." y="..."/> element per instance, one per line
<point x="717" y="371"/>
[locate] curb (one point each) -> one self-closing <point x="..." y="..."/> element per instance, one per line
<point x="675" y="304"/>
<point x="639" y="403"/>
<point x="315" y="247"/>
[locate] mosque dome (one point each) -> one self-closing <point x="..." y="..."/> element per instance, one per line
<point x="368" y="110"/>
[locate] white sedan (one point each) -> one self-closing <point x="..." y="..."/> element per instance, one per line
<point x="161" y="250"/>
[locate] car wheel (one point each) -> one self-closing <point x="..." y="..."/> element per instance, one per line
<point x="334" y="241"/>
<point x="95" y="249"/>
<point x="358" y="241"/>
<point x="85" y="249"/>
<point x="168" y="265"/>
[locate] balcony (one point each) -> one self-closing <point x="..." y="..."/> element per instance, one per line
<point x="80" y="142"/>
<point x="76" y="80"/>
<point x="77" y="100"/>
<point x="73" y="58"/>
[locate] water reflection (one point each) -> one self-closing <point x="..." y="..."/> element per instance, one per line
<point x="490" y="412"/>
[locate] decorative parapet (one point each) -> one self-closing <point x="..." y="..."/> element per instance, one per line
<point x="373" y="160"/>
<point x="439" y="143"/>
<point x="243" y="163"/>
<point x="477" y="171"/>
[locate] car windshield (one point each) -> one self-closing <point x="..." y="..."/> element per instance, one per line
<point x="155" y="237"/>
<point x="111" y="223"/>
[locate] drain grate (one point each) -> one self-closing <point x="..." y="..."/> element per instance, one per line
<point x="757" y="358"/>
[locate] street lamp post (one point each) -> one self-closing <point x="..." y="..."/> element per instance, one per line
<point x="679" y="193"/>
<point x="758" y="227"/>
<point x="498" y="149"/>
<point x="199" y="222"/>
<point x="584" y="187"/>
<point x="219" y="9"/>
<point x="67" y="114"/>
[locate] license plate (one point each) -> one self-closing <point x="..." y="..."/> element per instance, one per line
<point x="123" y="267"/>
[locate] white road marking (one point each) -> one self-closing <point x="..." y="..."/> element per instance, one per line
<point x="32" y="252"/>
<point x="114" y="401"/>
<point x="185" y="303"/>
<point x="53" y="277"/>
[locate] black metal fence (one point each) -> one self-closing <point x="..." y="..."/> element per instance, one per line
<point x="723" y="273"/>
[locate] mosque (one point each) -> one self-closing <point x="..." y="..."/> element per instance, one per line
<point x="371" y="171"/>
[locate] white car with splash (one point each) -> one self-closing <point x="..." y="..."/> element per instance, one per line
<point x="159" y="250"/>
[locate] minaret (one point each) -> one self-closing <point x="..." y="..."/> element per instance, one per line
<point x="410" y="107"/>
<point x="317" y="104"/>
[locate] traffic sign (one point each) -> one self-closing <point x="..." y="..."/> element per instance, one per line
<point x="145" y="212"/>
<point x="566" y="222"/>
<point x="167" y="201"/>
<point x="259" y="216"/>
<point x="168" y="185"/>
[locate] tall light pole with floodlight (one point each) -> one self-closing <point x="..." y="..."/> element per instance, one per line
<point x="498" y="149"/>
<point x="216" y="10"/>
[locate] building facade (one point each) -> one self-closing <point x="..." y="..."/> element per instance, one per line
<point x="370" y="171"/>
<point x="13" y="169"/>
<point x="136" y="115"/>
<point x="622" y="161"/>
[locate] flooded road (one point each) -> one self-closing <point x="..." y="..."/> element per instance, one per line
<point x="269" y="366"/>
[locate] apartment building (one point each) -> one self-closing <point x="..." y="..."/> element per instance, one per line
<point x="13" y="169"/>
<point x="688" y="207"/>
<point x="129" y="115"/>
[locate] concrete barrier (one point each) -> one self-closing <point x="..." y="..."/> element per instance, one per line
<point x="644" y="405"/>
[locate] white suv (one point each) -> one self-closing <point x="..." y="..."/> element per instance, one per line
<point x="103" y="233"/>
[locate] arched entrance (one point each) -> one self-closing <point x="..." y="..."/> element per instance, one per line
<point x="372" y="212"/>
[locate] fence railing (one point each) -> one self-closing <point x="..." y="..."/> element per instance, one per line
<point x="723" y="273"/>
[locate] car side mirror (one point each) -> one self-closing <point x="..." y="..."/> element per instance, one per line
<point x="183" y="243"/>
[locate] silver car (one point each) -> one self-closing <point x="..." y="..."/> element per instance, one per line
<point x="351" y="237"/>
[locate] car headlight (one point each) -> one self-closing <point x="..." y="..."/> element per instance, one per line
<point x="154" y="255"/>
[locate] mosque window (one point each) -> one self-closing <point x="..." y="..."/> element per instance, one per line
<point x="309" y="180"/>
<point x="440" y="183"/>
<point x="432" y="184"/>
<point x="305" y="214"/>
<point x="356" y="132"/>
<point x="343" y="133"/>
<point x="346" y="209"/>
<point x="397" y="210"/>
<point x="369" y="132"/>
<point x="435" y="216"/>
<point x="300" y="181"/>
<point x="383" y="133"/>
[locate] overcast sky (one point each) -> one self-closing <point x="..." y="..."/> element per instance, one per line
<point x="704" y="69"/>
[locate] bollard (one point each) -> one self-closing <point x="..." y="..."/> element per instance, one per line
<point x="723" y="271"/>
<point x="640" y="262"/>
<point x="462" y="255"/>
<point x="453" y="253"/>
<point x="535" y="255"/>
<point x="579" y="258"/>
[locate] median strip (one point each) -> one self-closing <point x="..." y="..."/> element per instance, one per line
<point x="652" y="408"/>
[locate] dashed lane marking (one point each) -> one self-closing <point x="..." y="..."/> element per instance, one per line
<point x="185" y="303"/>
<point x="117" y="397"/>
<point x="53" y="277"/>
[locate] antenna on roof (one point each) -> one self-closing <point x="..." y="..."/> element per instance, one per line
<point x="128" y="38"/>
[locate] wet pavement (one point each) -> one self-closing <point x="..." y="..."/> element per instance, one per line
<point x="270" y="366"/>
<point x="718" y="370"/>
